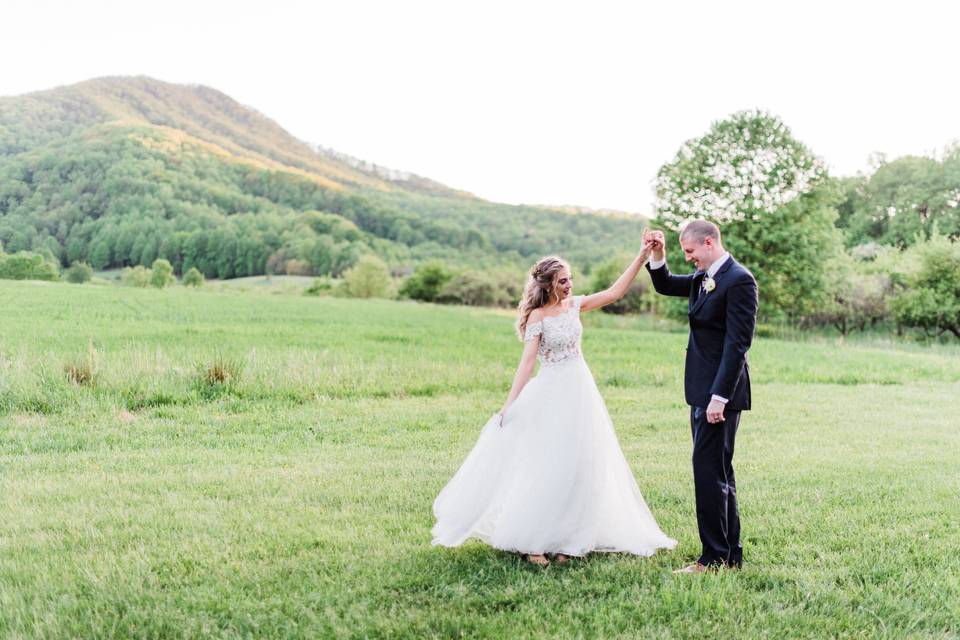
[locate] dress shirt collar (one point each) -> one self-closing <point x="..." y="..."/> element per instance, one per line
<point x="712" y="270"/>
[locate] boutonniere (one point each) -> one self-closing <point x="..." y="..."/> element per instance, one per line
<point x="709" y="284"/>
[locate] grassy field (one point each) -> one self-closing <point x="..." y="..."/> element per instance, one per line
<point x="290" y="496"/>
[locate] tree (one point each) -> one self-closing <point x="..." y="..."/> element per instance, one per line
<point x="370" y="278"/>
<point x="101" y="255"/>
<point x="161" y="274"/>
<point x="904" y="199"/>
<point x="25" y="265"/>
<point x="138" y="276"/>
<point x="931" y="299"/>
<point x="858" y="295"/>
<point x="78" y="273"/>
<point x="193" y="278"/>
<point x="470" y="288"/>
<point x="426" y="282"/>
<point x="772" y="199"/>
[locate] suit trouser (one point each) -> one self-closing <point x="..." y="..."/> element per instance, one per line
<point x="716" y="489"/>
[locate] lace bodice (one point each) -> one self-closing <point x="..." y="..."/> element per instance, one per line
<point x="560" y="341"/>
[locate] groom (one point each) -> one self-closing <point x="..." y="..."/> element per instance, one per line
<point x="722" y="308"/>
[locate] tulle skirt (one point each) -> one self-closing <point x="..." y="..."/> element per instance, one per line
<point x="551" y="479"/>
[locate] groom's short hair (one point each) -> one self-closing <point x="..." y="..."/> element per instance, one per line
<point x="700" y="230"/>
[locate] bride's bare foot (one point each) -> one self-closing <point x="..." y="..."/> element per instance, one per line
<point x="538" y="559"/>
<point x="561" y="558"/>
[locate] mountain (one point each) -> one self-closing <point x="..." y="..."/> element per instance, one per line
<point x="121" y="170"/>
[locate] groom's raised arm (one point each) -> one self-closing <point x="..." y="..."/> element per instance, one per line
<point x="666" y="283"/>
<point x="663" y="281"/>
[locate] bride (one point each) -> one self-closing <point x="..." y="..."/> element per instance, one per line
<point x="547" y="475"/>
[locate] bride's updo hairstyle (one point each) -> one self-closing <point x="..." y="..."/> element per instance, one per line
<point x="541" y="288"/>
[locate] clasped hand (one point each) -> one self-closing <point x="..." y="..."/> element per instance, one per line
<point x="653" y="243"/>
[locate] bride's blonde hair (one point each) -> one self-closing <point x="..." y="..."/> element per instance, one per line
<point x="541" y="287"/>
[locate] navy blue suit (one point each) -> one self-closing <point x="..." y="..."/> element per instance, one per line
<point x="722" y="323"/>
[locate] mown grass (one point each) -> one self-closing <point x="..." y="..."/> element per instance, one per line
<point x="295" y="500"/>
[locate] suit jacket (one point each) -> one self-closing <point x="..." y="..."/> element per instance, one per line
<point x="722" y="322"/>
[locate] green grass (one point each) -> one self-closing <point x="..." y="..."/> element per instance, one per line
<point x="295" y="500"/>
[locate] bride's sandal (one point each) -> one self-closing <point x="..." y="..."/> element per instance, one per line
<point x="561" y="558"/>
<point x="538" y="559"/>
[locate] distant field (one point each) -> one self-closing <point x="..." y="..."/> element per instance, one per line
<point x="292" y="499"/>
<point x="282" y="284"/>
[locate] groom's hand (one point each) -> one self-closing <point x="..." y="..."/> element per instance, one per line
<point x="656" y="238"/>
<point x="715" y="411"/>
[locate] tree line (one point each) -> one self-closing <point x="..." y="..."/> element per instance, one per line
<point x="121" y="196"/>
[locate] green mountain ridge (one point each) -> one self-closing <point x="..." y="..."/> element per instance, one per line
<point x="119" y="171"/>
<point x="199" y="111"/>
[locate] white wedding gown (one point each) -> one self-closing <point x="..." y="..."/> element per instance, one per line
<point x="552" y="479"/>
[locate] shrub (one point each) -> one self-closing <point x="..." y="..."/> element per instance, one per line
<point x="297" y="268"/>
<point x="27" y="266"/>
<point x="218" y="377"/>
<point x="82" y="371"/>
<point x="470" y="288"/>
<point x="320" y="287"/>
<point x="508" y="288"/>
<point x="639" y="297"/>
<point x="193" y="278"/>
<point x="931" y="301"/>
<point x="482" y="289"/>
<point x="858" y="300"/>
<point x="426" y="282"/>
<point x="78" y="273"/>
<point x="138" y="276"/>
<point x="162" y="274"/>
<point x="368" y="279"/>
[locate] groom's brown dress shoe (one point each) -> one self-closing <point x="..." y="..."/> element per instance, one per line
<point x="696" y="567"/>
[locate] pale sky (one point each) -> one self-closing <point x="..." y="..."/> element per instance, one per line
<point x="535" y="102"/>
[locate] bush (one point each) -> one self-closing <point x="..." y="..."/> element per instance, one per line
<point x="138" y="276"/>
<point x="482" y="289"/>
<point x="193" y="278"/>
<point x="27" y="266"/>
<point x="862" y="281"/>
<point x="857" y="301"/>
<point x="426" y="282"/>
<point x="82" y="371"/>
<point x="218" y="377"/>
<point x="78" y="273"/>
<point x="297" y="268"/>
<point x="162" y="274"/>
<point x="639" y="297"/>
<point x="931" y="301"/>
<point x="470" y="288"/>
<point x="320" y="287"/>
<point x="370" y="278"/>
<point x="508" y="286"/>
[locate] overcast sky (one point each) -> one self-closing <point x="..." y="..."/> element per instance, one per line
<point x="536" y="102"/>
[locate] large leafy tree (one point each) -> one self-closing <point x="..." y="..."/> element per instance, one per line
<point x="903" y="200"/>
<point x="772" y="199"/>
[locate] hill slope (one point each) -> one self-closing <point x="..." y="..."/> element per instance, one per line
<point x="119" y="171"/>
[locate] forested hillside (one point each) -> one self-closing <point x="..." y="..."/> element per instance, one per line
<point x="121" y="171"/>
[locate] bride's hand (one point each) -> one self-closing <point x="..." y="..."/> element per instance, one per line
<point x="646" y="250"/>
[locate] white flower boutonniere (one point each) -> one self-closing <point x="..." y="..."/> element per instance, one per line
<point x="709" y="284"/>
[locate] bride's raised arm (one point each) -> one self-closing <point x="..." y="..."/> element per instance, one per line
<point x="619" y="288"/>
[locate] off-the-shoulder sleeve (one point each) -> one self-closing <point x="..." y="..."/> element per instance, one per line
<point x="533" y="330"/>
